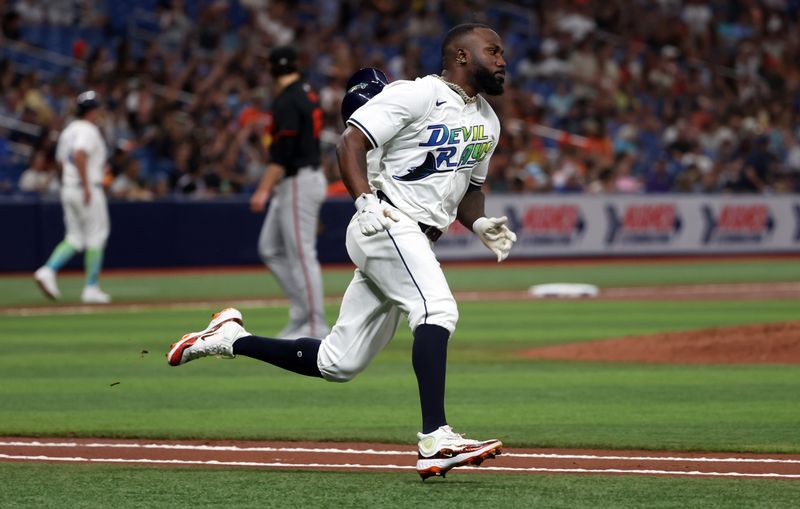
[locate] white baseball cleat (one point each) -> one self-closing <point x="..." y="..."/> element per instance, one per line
<point x="94" y="295"/>
<point x="445" y="449"/>
<point x="45" y="277"/>
<point x="216" y="339"/>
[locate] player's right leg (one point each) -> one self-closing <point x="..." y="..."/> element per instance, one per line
<point x="272" y="250"/>
<point x="304" y="195"/>
<point x="73" y="242"/>
<point x="93" y="263"/>
<point x="226" y="337"/>
<point x="367" y="322"/>
<point x="96" y="228"/>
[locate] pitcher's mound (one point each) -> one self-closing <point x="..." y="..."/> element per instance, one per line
<point x="772" y="343"/>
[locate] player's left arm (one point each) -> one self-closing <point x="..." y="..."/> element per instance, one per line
<point x="472" y="206"/>
<point x="493" y="231"/>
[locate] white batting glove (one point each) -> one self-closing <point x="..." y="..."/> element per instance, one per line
<point x="495" y="235"/>
<point x="373" y="215"/>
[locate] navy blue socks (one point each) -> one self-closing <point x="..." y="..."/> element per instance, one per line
<point x="429" y="357"/>
<point x="297" y="355"/>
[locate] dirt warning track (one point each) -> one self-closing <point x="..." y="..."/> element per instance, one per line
<point x="386" y="458"/>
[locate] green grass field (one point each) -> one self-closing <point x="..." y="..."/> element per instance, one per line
<point x="104" y="375"/>
<point x="103" y="486"/>
<point x="18" y="290"/>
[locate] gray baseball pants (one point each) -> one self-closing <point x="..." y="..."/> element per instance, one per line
<point x="287" y="245"/>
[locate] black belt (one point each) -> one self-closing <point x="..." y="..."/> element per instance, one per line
<point x="433" y="233"/>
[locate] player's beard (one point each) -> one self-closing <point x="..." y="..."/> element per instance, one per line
<point x="488" y="81"/>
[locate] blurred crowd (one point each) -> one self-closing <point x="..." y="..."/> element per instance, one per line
<point x="619" y="96"/>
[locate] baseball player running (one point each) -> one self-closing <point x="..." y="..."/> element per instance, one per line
<point x="81" y="151"/>
<point x="287" y="243"/>
<point x="429" y="143"/>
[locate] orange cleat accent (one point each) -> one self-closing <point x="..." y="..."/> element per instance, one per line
<point x="216" y="339"/>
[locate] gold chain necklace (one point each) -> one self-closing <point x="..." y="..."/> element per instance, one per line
<point x="457" y="89"/>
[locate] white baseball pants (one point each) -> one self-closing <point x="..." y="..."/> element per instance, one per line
<point x="397" y="272"/>
<point x="87" y="226"/>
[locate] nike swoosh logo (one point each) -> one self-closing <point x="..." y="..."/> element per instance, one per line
<point x="439" y="103"/>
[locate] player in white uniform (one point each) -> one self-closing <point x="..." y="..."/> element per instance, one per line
<point x="429" y="143"/>
<point x="81" y="151"/>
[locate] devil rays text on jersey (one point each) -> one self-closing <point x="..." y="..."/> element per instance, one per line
<point x="445" y="157"/>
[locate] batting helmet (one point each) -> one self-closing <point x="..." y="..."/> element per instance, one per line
<point x="362" y="86"/>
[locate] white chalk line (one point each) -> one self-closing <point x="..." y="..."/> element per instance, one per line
<point x="78" y="459"/>
<point x="269" y="302"/>
<point x="152" y="306"/>
<point x="466" y="295"/>
<point x="330" y="450"/>
<point x="357" y="466"/>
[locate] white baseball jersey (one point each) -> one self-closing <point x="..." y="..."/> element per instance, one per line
<point x="87" y="226"/>
<point x="429" y="146"/>
<point x="81" y="135"/>
<point x="432" y="146"/>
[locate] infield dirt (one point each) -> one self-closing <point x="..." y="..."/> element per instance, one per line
<point x="769" y="343"/>
<point x="386" y="457"/>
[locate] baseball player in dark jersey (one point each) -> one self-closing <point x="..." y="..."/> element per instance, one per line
<point x="414" y="158"/>
<point x="297" y="185"/>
